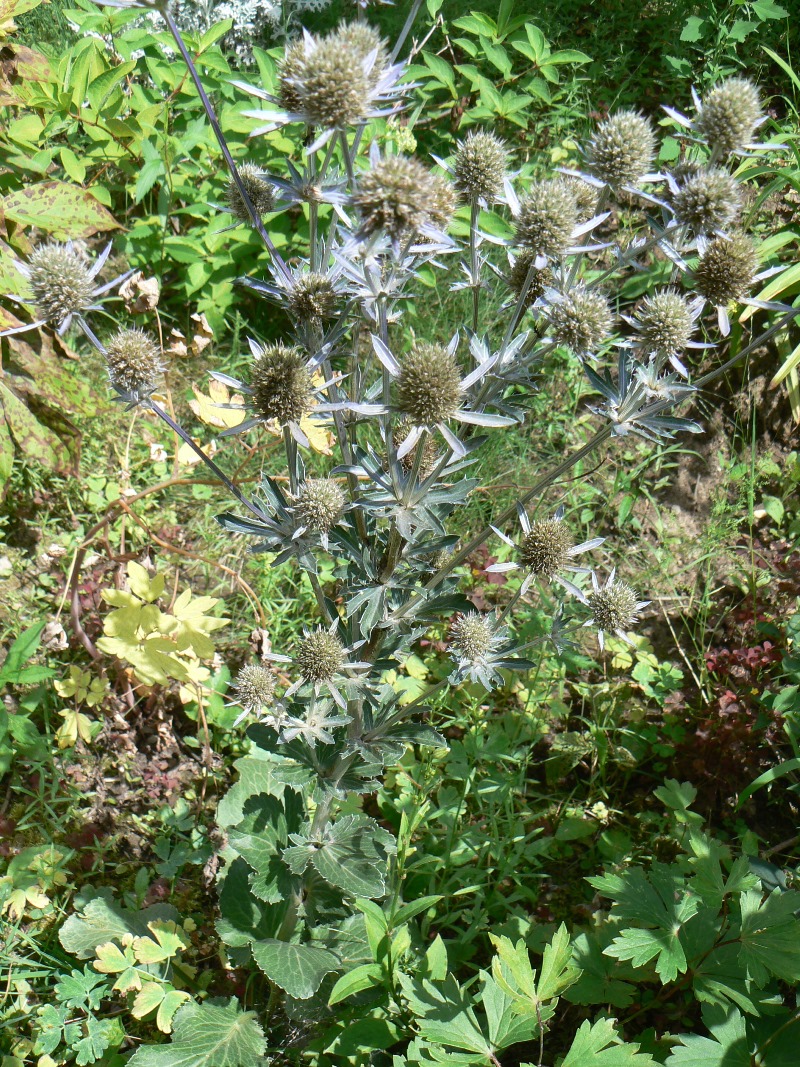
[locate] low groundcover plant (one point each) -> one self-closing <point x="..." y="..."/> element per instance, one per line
<point x="409" y="414"/>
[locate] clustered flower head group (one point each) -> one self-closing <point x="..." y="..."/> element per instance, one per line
<point x="408" y="411"/>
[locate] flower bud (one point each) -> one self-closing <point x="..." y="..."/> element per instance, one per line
<point x="729" y="114"/>
<point x="581" y="320"/>
<point x="290" y="70"/>
<point x="362" y="39"/>
<point x="707" y="201"/>
<point x="480" y="166"/>
<point x="255" y="687"/>
<point x="545" y="549"/>
<point x="332" y="86"/>
<point x="726" y="269"/>
<point x="395" y="196"/>
<point x="664" y="321"/>
<point x="472" y="636"/>
<point x="258" y="189"/>
<point x="429" y="452"/>
<point x="312" y="298"/>
<point x="548" y="215"/>
<point x="320" y="656"/>
<point x="60" y="281"/>
<point x="429" y="385"/>
<point x="622" y="149"/>
<point x="319" y="504"/>
<point x="281" y="384"/>
<point x="134" y="364"/>
<point x="613" y="607"/>
<point x="540" y="278"/>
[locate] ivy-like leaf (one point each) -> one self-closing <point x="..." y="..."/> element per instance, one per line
<point x="208" y="1035"/>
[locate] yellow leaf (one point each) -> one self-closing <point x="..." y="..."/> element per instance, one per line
<point x="208" y="410"/>
<point x="142" y="585"/>
<point x="320" y="438"/>
<point x="147" y="999"/>
<point x="75" y="725"/>
<point x="187" y="457"/>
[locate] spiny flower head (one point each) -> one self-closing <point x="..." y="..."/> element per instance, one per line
<point x="134" y="364"/>
<point x="255" y="687"/>
<point x="622" y="149"/>
<point x="545" y="549"/>
<point x="281" y="384"/>
<point x="320" y="656"/>
<point x="395" y="196"/>
<point x="664" y="322"/>
<point x="614" y="607"/>
<point x="707" y="201"/>
<point x="363" y="40"/>
<point x="585" y="196"/>
<point x="726" y="269"/>
<point x="547" y="217"/>
<point x="332" y="85"/>
<point x="541" y="279"/>
<point x="442" y="203"/>
<point x="580" y="319"/>
<point x="258" y="189"/>
<point x="320" y="503"/>
<point x="290" y="70"/>
<point x="472" y="636"/>
<point x="61" y="281"/>
<point x="480" y="166"/>
<point x="312" y="298"/>
<point x="729" y="115"/>
<point x="429" y="385"/>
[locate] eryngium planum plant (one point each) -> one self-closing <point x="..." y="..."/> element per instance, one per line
<point x="410" y="415"/>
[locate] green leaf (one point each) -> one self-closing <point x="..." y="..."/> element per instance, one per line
<point x="598" y="1045"/>
<point x="641" y="946"/>
<point x="693" y="29"/>
<point x="780" y="770"/>
<point x="100" y="88"/>
<point x="354" y="856"/>
<point x="261" y="836"/>
<point x="506" y="1026"/>
<point x="100" y="920"/>
<point x="62" y="210"/>
<point x="297" y="969"/>
<point x="444" y="1014"/>
<point x="367" y="976"/>
<point x="770" y="936"/>
<point x="729" y="1046"/>
<point x="20" y="652"/>
<point x="207" y="1035"/>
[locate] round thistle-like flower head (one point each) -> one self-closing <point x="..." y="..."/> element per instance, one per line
<point x="429" y="385"/>
<point x="480" y="166"/>
<point x="472" y="636"/>
<point x="332" y="86"/>
<point x="442" y="203"/>
<point x="580" y="319"/>
<point x="319" y="504"/>
<point x="255" y="687"/>
<point x="540" y="279"/>
<point x="395" y="196"/>
<point x="290" y="70"/>
<point x="664" y="321"/>
<point x="586" y="196"/>
<point x="546" y="548"/>
<point x="134" y="363"/>
<point x="312" y="298"/>
<point x="281" y="384"/>
<point x="548" y="215"/>
<point x="429" y="453"/>
<point x="261" y="193"/>
<point x="60" y="280"/>
<point x="613" y="607"/>
<point x="622" y="149"/>
<point x="363" y="39"/>
<point x="708" y="201"/>
<point x="726" y="269"/>
<point x="729" y="115"/>
<point x="320" y="656"/>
